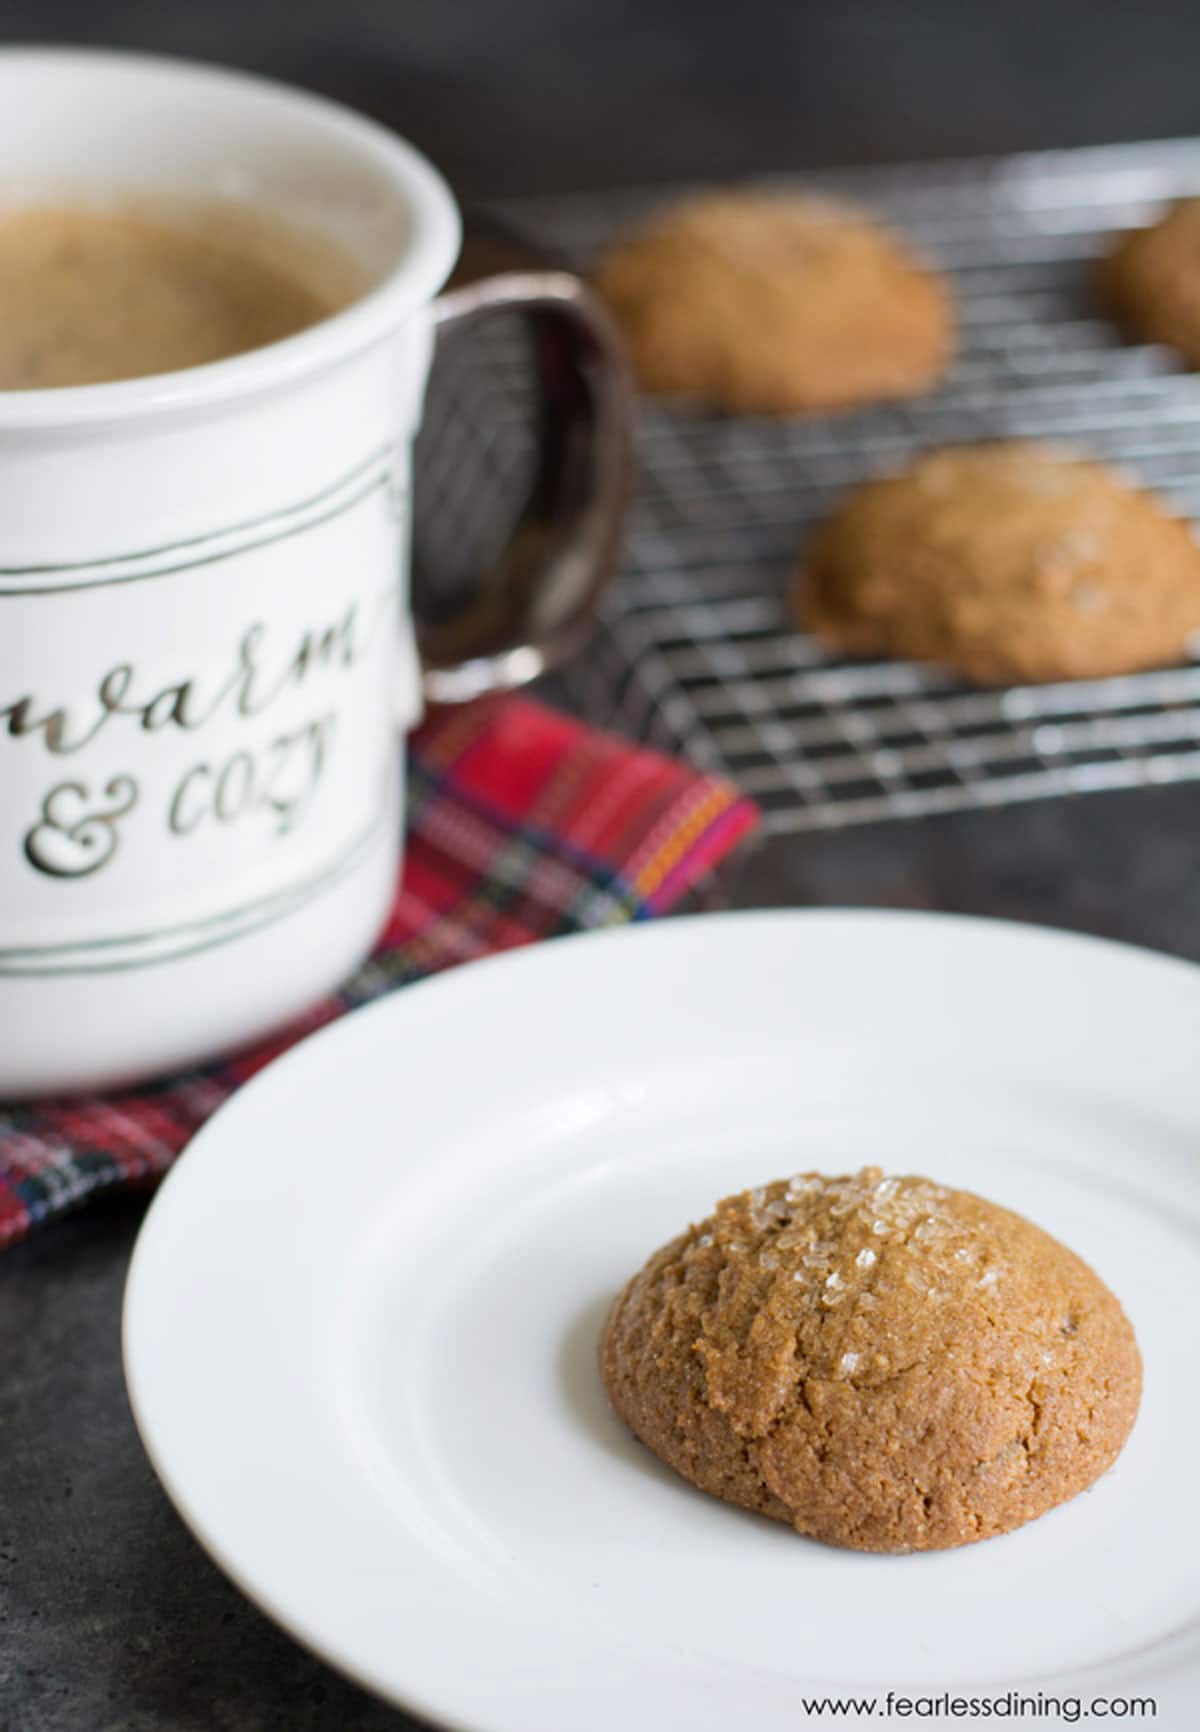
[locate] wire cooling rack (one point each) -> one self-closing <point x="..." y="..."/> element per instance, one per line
<point x="696" y="649"/>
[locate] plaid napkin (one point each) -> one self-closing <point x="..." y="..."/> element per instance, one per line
<point x="523" y="824"/>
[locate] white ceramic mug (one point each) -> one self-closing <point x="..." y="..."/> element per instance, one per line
<point x="207" y="657"/>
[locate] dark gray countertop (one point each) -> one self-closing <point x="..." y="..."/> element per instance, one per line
<point x="110" y="1616"/>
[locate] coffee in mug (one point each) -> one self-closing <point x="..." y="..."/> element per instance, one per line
<point x="90" y="294"/>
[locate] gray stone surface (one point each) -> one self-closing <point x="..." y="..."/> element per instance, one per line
<point x="111" y="1617"/>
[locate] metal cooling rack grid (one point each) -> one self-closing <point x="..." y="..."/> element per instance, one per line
<point x="696" y="648"/>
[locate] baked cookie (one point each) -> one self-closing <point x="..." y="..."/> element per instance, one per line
<point x="762" y="303"/>
<point x="881" y="1362"/>
<point x="1151" y="281"/>
<point x="1008" y="562"/>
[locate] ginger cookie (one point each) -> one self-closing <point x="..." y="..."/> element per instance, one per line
<point x="771" y="304"/>
<point x="881" y="1362"/>
<point x="1012" y="561"/>
<point x="1151" y="281"/>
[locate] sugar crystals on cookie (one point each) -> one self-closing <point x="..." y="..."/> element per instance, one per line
<point x="1009" y="561"/>
<point x="883" y="1362"/>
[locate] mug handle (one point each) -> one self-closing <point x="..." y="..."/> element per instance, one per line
<point x="535" y="607"/>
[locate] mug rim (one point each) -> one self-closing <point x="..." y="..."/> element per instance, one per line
<point x="431" y="247"/>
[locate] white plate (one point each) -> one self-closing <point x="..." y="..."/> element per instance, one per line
<point x="361" y="1319"/>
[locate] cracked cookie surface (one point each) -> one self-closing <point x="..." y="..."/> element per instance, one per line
<point x="1009" y="561"/>
<point x="884" y="1363"/>
<point x="768" y="303"/>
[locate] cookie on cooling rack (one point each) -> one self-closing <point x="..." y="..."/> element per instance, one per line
<point x="1151" y="281"/>
<point x="774" y="304"/>
<point x="1013" y="561"/>
<point x="881" y="1362"/>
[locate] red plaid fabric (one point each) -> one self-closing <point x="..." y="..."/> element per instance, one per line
<point x="523" y="824"/>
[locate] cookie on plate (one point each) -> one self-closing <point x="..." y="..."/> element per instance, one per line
<point x="883" y="1363"/>
<point x="1013" y="561"/>
<point x="765" y="303"/>
<point x="1151" y="281"/>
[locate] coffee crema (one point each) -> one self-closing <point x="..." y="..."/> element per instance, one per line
<point x="92" y="295"/>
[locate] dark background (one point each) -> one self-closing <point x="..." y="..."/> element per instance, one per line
<point x="111" y="1620"/>
<point x="517" y="96"/>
